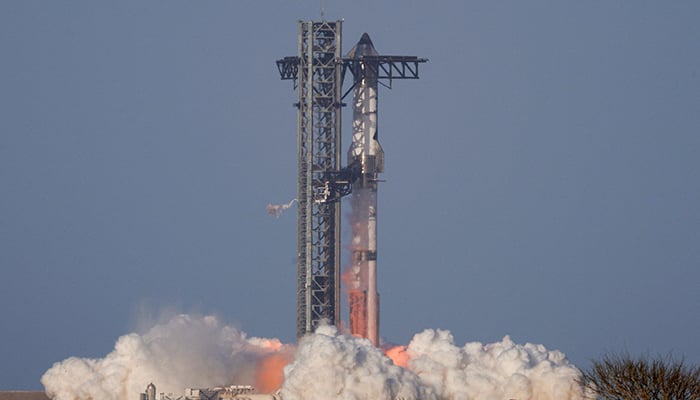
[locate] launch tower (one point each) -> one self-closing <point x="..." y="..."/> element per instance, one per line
<point x="318" y="72"/>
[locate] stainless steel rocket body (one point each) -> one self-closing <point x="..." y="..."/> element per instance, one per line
<point x="365" y="152"/>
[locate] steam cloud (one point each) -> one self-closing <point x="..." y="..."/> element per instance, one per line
<point x="501" y="370"/>
<point x="185" y="352"/>
<point x="333" y="366"/>
<point x="200" y="352"/>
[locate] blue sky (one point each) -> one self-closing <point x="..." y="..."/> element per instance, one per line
<point x="541" y="176"/>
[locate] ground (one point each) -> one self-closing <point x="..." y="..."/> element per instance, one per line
<point x="10" y="395"/>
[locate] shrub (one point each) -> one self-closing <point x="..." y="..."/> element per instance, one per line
<point x="620" y="377"/>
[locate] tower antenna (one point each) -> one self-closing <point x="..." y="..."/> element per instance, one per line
<point x="323" y="10"/>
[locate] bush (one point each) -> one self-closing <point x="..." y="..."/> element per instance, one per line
<point x="620" y="377"/>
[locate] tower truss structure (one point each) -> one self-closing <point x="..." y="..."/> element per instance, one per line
<point x="317" y="73"/>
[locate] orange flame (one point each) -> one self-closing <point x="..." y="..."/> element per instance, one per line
<point x="270" y="375"/>
<point x="399" y="356"/>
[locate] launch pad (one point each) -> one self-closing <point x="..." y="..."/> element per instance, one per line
<point x="233" y="392"/>
<point x="318" y="72"/>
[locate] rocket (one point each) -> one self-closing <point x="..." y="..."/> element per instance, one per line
<point x="318" y="73"/>
<point x="366" y="156"/>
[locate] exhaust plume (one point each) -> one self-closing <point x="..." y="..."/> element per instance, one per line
<point x="333" y="366"/>
<point x="186" y="351"/>
<point x="501" y="370"/>
<point x="200" y="352"/>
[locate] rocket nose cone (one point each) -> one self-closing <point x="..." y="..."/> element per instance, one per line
<point x="364" y="47"/>
<point x="365" y="40"/>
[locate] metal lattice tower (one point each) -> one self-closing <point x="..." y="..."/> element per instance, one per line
<point x="317" y="73"/>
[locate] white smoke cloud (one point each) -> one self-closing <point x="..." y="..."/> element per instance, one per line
<point x="333" y="366"/>
<point x="185" y="352"/>
<point x="200" y="352"/>
<point x="501" y="370"/>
